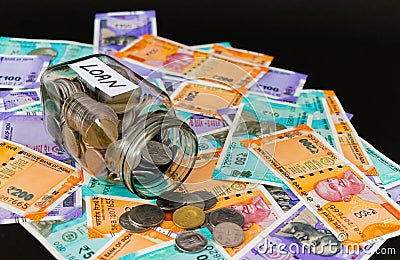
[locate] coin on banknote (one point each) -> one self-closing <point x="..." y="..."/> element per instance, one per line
<point x="226" y="215"/>
<point x="71" y="141"/>
<point x="188" y="217"/>
<point x="146" y="215"/>
<point x="191" y="241"/>
<point x="194" y="200"/>
<point x="128" y="225"/>
<point x="157" y="153"/>
<point x="95" y="163"/>
<point x="171" y="200"/>
<point x="228" y="234"/>
<point x="209" y="199"/>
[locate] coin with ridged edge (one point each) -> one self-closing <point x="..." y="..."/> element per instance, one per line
<point x="191" y="241"/>
<point x="146" y="215"/>
<point x="228" y="234"/>
<point x="128" y="225"/>
<point x="188" y="217"/>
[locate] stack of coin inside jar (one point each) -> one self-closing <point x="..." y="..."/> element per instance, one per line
<point x="188" y="213"/>
<point x="104" y="134"/>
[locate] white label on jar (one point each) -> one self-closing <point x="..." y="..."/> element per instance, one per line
<point x="99" y="75"/>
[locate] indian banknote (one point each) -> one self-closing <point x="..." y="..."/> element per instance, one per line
<point x="182" y="60"/>
<point x="280" y="84"/>
<point x="168" y="250"/>
<point x="350" y="143"/>
<point x="256" y="116"/>
<point x="388" y="170"/>
<point x="205" y="99"/>
<point x="314" y="102"/>
<point x="208" y="46"/>
<point x="103" y="214"/>
<point x="127" y="243"/>
<point x="13" y="127"/>
<point x="285" y="198"/>
<point x="59" y="51"/>
<point x="258" y="59"/>
<point x="300" y="235"/>
<point x="115" y="30"/>
<point x="69" y="208"/>
<point x="66" y="239"/>
<point x="32" y="184"/>
<point x="15" y="100"/>
<point x="334" y="189"/>
<point x="21" y="71"/>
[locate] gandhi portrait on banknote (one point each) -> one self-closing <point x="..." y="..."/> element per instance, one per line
<point x="302" y="228"/>
<point x="342" y="189"/>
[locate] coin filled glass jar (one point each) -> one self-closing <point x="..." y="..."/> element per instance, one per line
<point x="118" y="126"/>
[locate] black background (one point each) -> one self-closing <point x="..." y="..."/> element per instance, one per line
<point x="350" y="47"/>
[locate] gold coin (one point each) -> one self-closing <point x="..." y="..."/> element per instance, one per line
<point x="71" y="141"/>
<point x="96" y="163"/>
<point x="100" y="135"/>
<point x="188" y="217"/>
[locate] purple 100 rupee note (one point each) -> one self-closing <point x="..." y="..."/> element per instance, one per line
<point x="17" y="99"/>
<point x="28" y="129"/>
<point x="115" y="30"/>
<point x="280" y="84"/>
<point x="20" y="71"/>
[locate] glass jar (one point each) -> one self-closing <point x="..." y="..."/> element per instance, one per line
<point x="118" y="126"/>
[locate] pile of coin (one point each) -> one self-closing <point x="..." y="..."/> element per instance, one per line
<point x="188" y="213"/>
<point x="89" y="124"/>
<point x="141" y="218"/>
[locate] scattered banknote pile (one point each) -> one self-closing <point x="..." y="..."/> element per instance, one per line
<point x="280" y="171"/>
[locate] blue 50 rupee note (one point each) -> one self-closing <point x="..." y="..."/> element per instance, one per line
<point x="388" y="170"/>
<point x="256" y="116"/>
<point x="313" y="101"/>
<point x="66" y="239"/>
<point x="59" y="51"/>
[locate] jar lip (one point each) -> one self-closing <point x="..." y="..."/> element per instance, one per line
<point x="137" y="139"/>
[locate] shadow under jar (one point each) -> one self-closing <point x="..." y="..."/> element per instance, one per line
<point x="118" y="126"/>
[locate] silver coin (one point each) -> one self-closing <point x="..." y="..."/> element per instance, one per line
<point x="146" y="215"/>
<point x="191" y="241"/>
<point x="194" y="200"/>
<point x="226" y="215"/>
<point x="157" y="153"/>
<point x="228" y="234"/>
<point x="129" y="226"/>
<point x="171" y="200"/>
<point x="209" y="199"/>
